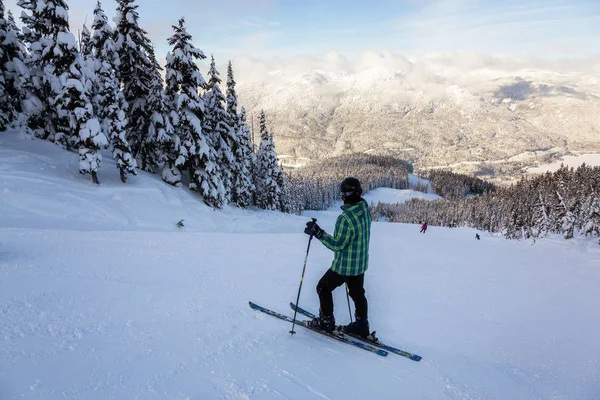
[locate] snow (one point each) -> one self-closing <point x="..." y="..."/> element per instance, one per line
<point x="574" y="161"/>
<point x="62" y="13"/>
<point x="67" y="39"/>
<point x="393" y="196"/>
<point x="75" y="84"/>
<point x="131" y="18"/>
<point x="103" y="296"/>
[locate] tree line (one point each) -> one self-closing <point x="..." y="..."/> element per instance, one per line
<point x="565" y="202"/>
<point x="316" y="186"/>
<point x="450" y="185"/>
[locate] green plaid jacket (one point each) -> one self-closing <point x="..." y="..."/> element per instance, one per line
<point x="350" y="241"/>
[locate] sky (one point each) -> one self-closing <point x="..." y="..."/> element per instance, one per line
<point x="287" y="29"/>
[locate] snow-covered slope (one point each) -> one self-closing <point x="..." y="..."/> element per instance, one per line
<point x="42" y="188"/>
<point x="569" y="161"/>
<point x="392" y="196"/>
<point x="102" y="296"/>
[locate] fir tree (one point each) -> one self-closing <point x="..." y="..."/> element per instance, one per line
<point x="542" y="224"/>
<point x="268" y="190"/>
<point x="243" y="188"/>
<point x="84" y="40"/>
<point x="50" y="58"/>
<point x="566" y="216"/>
<point x="74" y="104"/>
<point x="6" y="109"/>
<point x="62" y="110"/>
<point x="135" y="71"/>
<point x="148" y="146"/>
<point x="37" y="35"/>
<point x="591" y="224"/>
<point x="232" y="100"/>
<point x="161" y="145"/>
<point x="109" y="101"/>
<point x="15" y="71"/>
<point x="167" y="144"/>
<point x="217" y="123"/>
<point x="29" y="82"/>
<point x="196" y="152"/>
<point x="240" y="173"/>
<point x="284" y="201"/>
<point x="61" y="64"/>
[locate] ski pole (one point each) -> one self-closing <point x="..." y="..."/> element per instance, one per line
<point x="301" y="280"/>
<point x="348" y="298"/>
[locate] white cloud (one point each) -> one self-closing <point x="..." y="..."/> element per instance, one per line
<point x="428" y="77"/>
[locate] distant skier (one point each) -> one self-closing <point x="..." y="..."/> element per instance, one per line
<point x="477" y="236"/>
<point x="423" y="228"/>
<point x="350" y="244"/>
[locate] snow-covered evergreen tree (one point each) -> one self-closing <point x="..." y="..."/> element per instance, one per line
<point x="74" y="106"/>
<point x="542" y="225"/>
<point x="147" y="155"/>
<point x="166" y="143"/>
<point x="161" y="145"/>
<point x="267" y="188"/>
<point x="58" y="100"/>
<point x="284" y="200"/>
<point x="15" y="71"/>
<point x="243" y="188"/>
<point x="239" y="166"/>
<point x="217" y="123"/>
<point x="109" y="102"/>
<point x="196" y="152"/>
<point x="232" y="100"/>
<point x="60" y="63"/>
<point x="135" y="71"/>
<point x="6" y="108"/>
<point x="38" y="32"/>
<point x="591" y="223"/>
<point x="567" y="218"/>
<point x="85" y="37"/>
<point x="52" y="63"/>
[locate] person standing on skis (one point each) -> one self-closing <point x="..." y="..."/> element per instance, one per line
<point x="350" y="244"/>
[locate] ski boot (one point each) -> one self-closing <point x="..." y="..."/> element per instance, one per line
<point x="323" y="323"/>
<point x="360" y="327"/>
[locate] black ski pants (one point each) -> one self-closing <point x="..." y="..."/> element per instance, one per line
<point x="330" y="281"/>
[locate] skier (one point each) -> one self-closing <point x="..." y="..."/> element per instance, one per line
<point x="477" y="236"/>
<point x="350" y="244"/>
<point x="423" y="228"/>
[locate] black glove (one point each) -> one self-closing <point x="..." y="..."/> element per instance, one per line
<point x="314" y="230"/>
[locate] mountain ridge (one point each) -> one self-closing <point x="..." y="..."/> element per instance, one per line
<point x="430" y="115"/>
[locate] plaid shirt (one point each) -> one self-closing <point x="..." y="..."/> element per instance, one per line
<point x="350" y="241"/>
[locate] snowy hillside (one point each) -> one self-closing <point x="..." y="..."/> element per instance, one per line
<point x="103" y="296"/>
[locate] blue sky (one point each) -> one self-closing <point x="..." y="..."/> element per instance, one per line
<point x="266" y="29"/>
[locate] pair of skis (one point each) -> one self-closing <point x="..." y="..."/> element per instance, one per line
<point x="373" y="346"/>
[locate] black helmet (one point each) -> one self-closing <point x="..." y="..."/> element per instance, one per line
<point x="351" y="190"/>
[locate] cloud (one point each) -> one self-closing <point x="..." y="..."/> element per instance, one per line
<point x="429" y="77"/>
<point x="448" y="63"/>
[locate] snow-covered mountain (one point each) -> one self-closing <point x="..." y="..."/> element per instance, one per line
<point x="102" y="296"/>
<point x="434" y="111"/>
